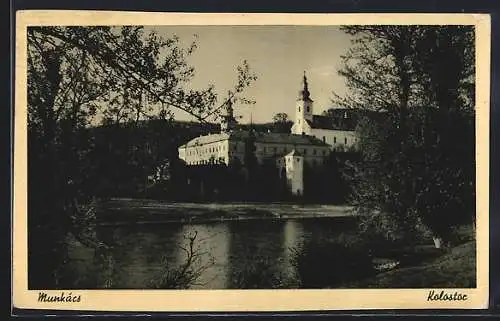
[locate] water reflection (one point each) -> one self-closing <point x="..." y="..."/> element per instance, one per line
<point x="293" y="237"/>
<point x="256" y="253"/>
<point x="138" y="252"/>
<point x="246" y="254"/>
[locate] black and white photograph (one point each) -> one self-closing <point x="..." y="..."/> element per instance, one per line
<point x="251" y="157"/>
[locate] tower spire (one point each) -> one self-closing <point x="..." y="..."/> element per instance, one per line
<point x="304" y="94"/>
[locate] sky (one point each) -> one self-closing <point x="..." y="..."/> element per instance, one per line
<point x="278" y="55"/>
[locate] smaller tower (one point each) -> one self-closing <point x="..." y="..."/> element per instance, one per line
<point x="228" y="122"/>
<point x="294" y="167"/>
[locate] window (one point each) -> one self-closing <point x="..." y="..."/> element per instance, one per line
<point x="324" y="153"/>
<point x="308" y="108"/>
<point x="324" y="139"/>
<point x="334" y="140"/>
<point x="345" y="141"/>
<point x="314" y="152"/>
<point x="298" y="160"/>
<point x="299" y="109"/>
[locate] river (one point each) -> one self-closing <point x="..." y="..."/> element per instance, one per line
<point x="230" y="253"/>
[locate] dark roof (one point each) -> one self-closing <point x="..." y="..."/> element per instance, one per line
<point x="285" y="138"/>
<point x="339" y="119"/>
<point x="331" y="123"/>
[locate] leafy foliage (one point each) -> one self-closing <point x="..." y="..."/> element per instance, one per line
<point x="79" y="77"/>
<point x="417" y="154"/>
<point x="281" y="123"/>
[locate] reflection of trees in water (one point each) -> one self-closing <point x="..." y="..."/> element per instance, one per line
<point x="330" y="262"/>
<point x="88" y="267"/>
<point x="297" y="256"/>
<point x="138" y="251"/>
<point x="239" y="254"/>
<point x="121" y="259"/>
<point x="84" y="242"/>
<point x="198" y="248"/>
<point x="103" y="258"/>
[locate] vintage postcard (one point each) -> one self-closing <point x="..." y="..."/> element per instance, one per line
<point x="250" y="162"/>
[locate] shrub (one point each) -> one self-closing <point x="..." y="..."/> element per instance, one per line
<point x="324" y="263"/>
<point x="186" y="274"/>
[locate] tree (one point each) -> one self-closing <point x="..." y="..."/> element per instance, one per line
<point x="189" y="272"/>
<point x="420" y="80"/>
<point x="280" y="118"/>
<point x="281" y="123"/>
<point x="76" y="77"/>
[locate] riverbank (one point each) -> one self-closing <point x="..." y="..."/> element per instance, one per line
<point x="119" y="211"/>
<point x="454" y="267"/>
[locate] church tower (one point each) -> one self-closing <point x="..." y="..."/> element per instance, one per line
<point x="228" y="121"/>
<point x="303" y="108"/>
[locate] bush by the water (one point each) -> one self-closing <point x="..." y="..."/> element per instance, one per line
<point x="260" y="273"/>
<point x="324" y="263"/>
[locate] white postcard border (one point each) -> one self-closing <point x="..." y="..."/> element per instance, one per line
<point x="247" y="300"/>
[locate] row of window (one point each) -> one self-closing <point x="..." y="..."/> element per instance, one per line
<point x="275" y="150"/>
<point x="288" y="161"/>
<point x="205" y="150"/>
<point x="220" y="160"/>
<point x="286" y="150"/>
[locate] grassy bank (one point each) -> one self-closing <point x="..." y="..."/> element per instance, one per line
<point x="457" y="268"/>
<point x="427" y="267"/>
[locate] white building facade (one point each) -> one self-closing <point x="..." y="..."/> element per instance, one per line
<point x="230" y="147"/>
